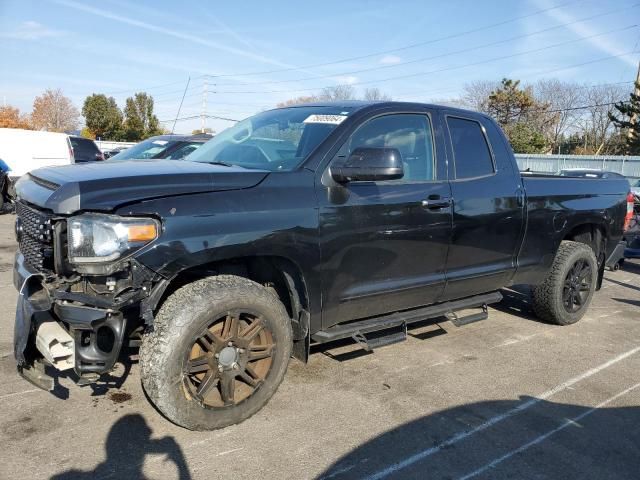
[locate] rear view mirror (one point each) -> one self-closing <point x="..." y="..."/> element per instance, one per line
<point x="369" y="164"/>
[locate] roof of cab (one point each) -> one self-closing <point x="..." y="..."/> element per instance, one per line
<point x="203" y="137"/>
<point x="360" y="104"/>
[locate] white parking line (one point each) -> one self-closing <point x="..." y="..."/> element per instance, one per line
<point x="498" y="418"/>
<point x="543" y="437"/>
<point x="20" y="393"/>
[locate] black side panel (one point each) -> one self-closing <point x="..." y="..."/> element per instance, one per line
<point x="558" y="205"/>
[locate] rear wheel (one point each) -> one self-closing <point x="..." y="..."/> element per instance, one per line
<point x="563" y="298"/>
<point x="218" y="351"/>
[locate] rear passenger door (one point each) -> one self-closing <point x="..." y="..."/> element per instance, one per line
<point x="487" y="207"/>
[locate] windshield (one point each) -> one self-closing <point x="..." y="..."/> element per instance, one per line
<point x="147" y="149"/>
<point x="277" y="140"/>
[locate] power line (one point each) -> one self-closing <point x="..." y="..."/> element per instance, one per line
<point x="216" y="117"/>
<point x="178" y="82"/>
<point x="181" y="102"/>
<point x="406" y="47"/>
<point x="419" y="74"/>
<point x="452" y="90"/>
<point x="433" y="57"/>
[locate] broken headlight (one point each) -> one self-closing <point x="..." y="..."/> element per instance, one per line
<point x="95" y="238"/>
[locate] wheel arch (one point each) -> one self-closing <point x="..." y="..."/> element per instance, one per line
<point x="278" y="273"/>
<point x="593" y="234"/>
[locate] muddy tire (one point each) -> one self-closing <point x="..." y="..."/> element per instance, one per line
<point x="217" y="352"/>
<point x="564" y="297"/>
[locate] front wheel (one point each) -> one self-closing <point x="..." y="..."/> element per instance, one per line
<point x="563" y="298"/>
<point x="217" y="353"/>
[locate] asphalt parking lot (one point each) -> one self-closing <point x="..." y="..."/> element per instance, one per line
<point x="509" y="397"/>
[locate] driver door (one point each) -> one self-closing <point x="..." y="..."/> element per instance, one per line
<point x="383" y="247"/>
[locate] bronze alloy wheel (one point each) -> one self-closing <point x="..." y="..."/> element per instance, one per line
<point x="228" y="361"/>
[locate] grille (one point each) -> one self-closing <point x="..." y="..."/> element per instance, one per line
<point x="35" y="237"/>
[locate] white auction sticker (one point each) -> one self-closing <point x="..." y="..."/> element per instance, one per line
<point x="332" y="119"/>
<point x="160" y="142"/>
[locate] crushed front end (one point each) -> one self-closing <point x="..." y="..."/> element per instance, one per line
<point x="78" y="306"/>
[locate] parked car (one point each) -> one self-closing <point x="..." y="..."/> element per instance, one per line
<point x="85" y="150"/>
<point x="171" y="147"/>
<point x="26" y="150"/>
<point x="297" y="226"/>
<point x="113" y="152"/>
<point x="635" y="188"/>
<point x="4" y="185"/>
<point x="589" y="173"/>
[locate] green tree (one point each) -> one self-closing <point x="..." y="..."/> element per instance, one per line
<point x="102" y="117"/>
<point x="628" y="120"/>
<point x="139" y="119"/>
<point x="509" y="103"/>
<point x="520" y="115"/>
<point x="525" y="138"/>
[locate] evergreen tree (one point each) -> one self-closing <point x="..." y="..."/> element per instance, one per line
<point x="629" y="120"/>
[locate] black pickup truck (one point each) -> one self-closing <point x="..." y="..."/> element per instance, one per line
<point x="297" y="226"/>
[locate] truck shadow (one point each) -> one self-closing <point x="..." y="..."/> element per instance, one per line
<point x="525" y="438"/>
<point x="128" y="443"/>
<point x="517" y="301"/>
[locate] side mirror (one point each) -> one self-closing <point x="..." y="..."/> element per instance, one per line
<point x="369" y="164"/>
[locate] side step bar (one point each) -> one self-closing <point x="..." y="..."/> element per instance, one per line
<point x="466" y="320"/>
<point x="360" y="328"/>
<point x="383" y="337"/>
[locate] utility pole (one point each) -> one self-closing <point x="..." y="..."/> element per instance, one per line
<point x="636" y="91"/>
<point x="203" y="115"/>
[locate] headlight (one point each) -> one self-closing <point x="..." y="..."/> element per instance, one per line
<point x="103" y="238"/>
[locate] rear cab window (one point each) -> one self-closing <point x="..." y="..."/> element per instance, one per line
<point x="183" y="150"/>
<point x="84" y="150"/>
<point x="471" y="152"/>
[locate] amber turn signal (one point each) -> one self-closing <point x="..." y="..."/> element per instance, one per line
<point x="142" y="233"/>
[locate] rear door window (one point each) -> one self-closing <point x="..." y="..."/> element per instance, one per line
<point x="471" y="152"/>
<point x="84" y="150"/>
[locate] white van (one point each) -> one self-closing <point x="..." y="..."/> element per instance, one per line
<point x="26" y="150"/>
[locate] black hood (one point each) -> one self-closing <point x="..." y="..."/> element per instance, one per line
<point x="103" y="186"/>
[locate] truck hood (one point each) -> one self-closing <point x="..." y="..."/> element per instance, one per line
<point x="104" y="186"/>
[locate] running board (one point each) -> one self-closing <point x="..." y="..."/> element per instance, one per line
<point x="467" y="319"/>
<point x="371" y="340"/>
<point x="397" y="319"/>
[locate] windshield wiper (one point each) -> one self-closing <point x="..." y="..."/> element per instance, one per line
<point x="224" y="164"/>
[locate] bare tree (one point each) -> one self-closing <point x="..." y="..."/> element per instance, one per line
<point x="298" y="101"/>
<point x="338" y="92"/>
<point x="476" y="94"/>
<point x="595" y="121"/>
<point x="54" y="112"/>
<point x="561" y="99"/>
<point x="374" y="93"/>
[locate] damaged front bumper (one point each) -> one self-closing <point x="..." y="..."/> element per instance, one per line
<point x="94" y="334"/>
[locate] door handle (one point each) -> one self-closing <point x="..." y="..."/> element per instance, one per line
<point x="436" y="203"/>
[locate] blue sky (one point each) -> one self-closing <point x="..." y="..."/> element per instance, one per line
<point x="260" y="53"/>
